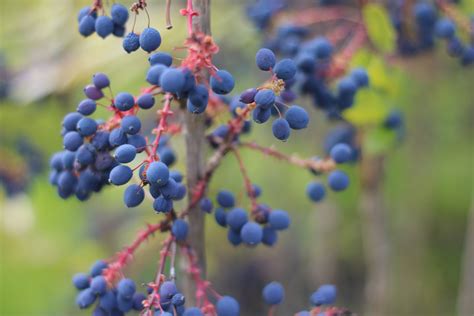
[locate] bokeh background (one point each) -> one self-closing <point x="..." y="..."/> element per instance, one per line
<point x="426" y="188"/>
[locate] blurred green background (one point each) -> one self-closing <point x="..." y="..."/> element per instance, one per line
<point x="427" y="188"/>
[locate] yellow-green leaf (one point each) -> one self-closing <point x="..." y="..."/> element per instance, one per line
<point x="369" y="108"/>
<point x="379" y="27"/>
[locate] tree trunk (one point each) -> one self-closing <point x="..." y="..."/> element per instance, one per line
<point x="195" y="160"/>
<point x="375" y="236"/>
<point x="466" y="282"/>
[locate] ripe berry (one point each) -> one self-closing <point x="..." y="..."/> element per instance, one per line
<point x="133" y="195"/>
<point x="206" y="205"/>
<point x="131" y="42"/>
<point x="120" y="175"/>
<point x="251" y="233"/>
<point x="234" y="237"/>
<point x="146" y="101"/>
<point x="273" y="293"/>
<point x="124" y="101"/>
<point x="126" y="288"/>
<point x="338" y="180"/>
<point x="167" y="290"/>
<point x="87" y="26"/>
<point x="265" y="98"/>
<point x="222" y="82"/>
<point x="85" y="298"/>
<point x="248" y="96"/>
<point x="261" y="115"/>
<point x="323" y="48"/>
<point x="281" y="129"/>
<point x="225" y="199"/>
<point x="193" y="311"/>
<point x="297" y="117"/>
<point x="270" y="236"/>
<point x="279" y="219"/>
<point x="98" y="267"/>
<point x="131" y="124"/>
<point x="72" y="141"/>
<point x="125" y="153"/>
<point x="158" y="173"/>
<point x="325" y="295"/>
<point x="98" y="285"/>
<point x="70" y="121"/>
<point x="162" y="205"/>
<point x="104" y="26"/>
<point x="341" y="153"/>
<point x="285" y="69"/>
<point x="315" y="191"/>
<point x="180" y="229"/>
<point x="227" y="306"/>
<point x="347" y="87"/>
<point x="101" y="80"/>
<point x="92" y="92"/>
<point x="160" y="58"/>
<point x="119" y="30"/>
<point x="150" y="39"/>
<point x="360" y="76"/>
<point x="265" y="59"/>
<point x="199" y="96"/>
<point x="81" y="281"/>
<point x="119" y="14"/>
<point x="86" y="126"/>
<point x="117" y="137"/>
<point x="220" y="216"/>
<point x="138" y="299"/>
<point x="172" y="80"/>
<point x="85" y="11"/>
<point x="236" y="218"/>
<point x="86" y="107"/>
<point x="178" y="299"/>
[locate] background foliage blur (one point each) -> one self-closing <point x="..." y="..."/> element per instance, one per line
<point x="44" y="240"/>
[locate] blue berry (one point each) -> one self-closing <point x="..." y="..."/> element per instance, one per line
<point x="270" y="236"/>
<point x="70" y="121"/>
<point x="107" y="301"/>
<point x="119" y="14"/>
<point x="285" y="69"/>
<point x="227" y="306"/>
<point x="176" y="176"/>
<point x="131" y="124"/>
<point x="338" y="180"/>
<point x="153" y="74"/>
<point x="85" y="11"/>
<point x="281" y="129"/>
<point x="92" y="92"/>
<point x="360" y="76"/>
<point x="124" y="304"/>
<point x="325" y="295"/>
<point x="347" y="87"/>
<point x="315" y="191"/>
<point x="72" y="141"/>
<point x="101" y="80"/>
<point x="124" y="101"/>
<point x="120" y="175"/>
<point x="236" y="218"/>
<point x="279" y="219"/>
<point x="100" y="140"/>
<point x="225" y="199"/>
<point x="234" y="237"/>
<point x="86" y="107"/>
<point x="146" y="101"/>
<point x="131" y="42"/>
<point x="261" y="115"/>
<point x="273" y="293"/>
<point x="178" y="299"/>
<point x="150" y="39"/>
<point x="87" y="26"/>
<point x="265" y="98"/>
<point x="86" y="126"/>
<point x="126" y="288"/>
<point x="85" y="154"/>
<point x="199" y="96"/>
<point x="99" y="285"/>
<point x="251" y="233"/>
<point x="206" y="205"/>
<point x="125" y="153"/>
<point x="168" y="290"/>
<point x="220" y="215"/>
<point x="104" y="26"/>
<point x="222" y="82"/>
<point x="323" y="48"/>
<point x="341" y="153"/>
<point x="138" y="299"/>
<point x="81" y="281"/>
<point x="98" y="267"/>
<point x="119" y="30"/>
<point x="133" y="195"/>
<point x="248" y="96"/>
<point x="180" y="229"/>
<point x="394" y="120"/>
<point x="117" y="137"/>
<point x="265" y="59"/>
<point x="158" y="173"/>
<point x="172" y="80"/>
<point x="160" y="58"/>
<point x="162" y="205"/>
<point x="85" y="298"/>
<point x="297" y="117"/>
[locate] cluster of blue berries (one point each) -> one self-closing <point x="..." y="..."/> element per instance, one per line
<point x="446" y="29"/>
<point x="260" y="12"/>
<point x="94" y="289"/>
<point x="149" y="40"/>
<point x="90" y="22"/>
<point x="263" y="229"/>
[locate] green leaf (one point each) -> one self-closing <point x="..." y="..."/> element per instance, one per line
<point x="379" y="28"/>
<point x="369" y="108"/>
<point x="378" y="140"/>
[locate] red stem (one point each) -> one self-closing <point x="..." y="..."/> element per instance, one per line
<point x="248" y="184"/>
<point x="162" y="125"/>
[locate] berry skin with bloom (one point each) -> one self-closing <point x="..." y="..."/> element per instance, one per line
<point x="225" y="199"/>
<point x="160" y="58"/>
<point x="325" y="295"/>
<point x="104" y="26"/>
<point x="227" y="306"/>
<point x="279" y="219"/>
<point x="158" y="173"/>
<point x="273" y="293"/>
<point x="131" y="42"/>
<point x="265" y="59"/>
<point x="285" y="69"/>
<point x="133" y="195"/>
<point x="281" y="129"/>
<point x="297" y="117"/>
<point x="265" y="98"/>
<point x="338" y="180"/>
<point x="251" y="233"/>
<point x="341" y="153"/>
<point x="315" y="191"/>
<point x="222" y="82"/>
<point x="172" y="80"/>
<point x="124" y="101"/>
<point x="180" y="229"/>
<point x="150" y="39"/>
<point x="120" y="175"/>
